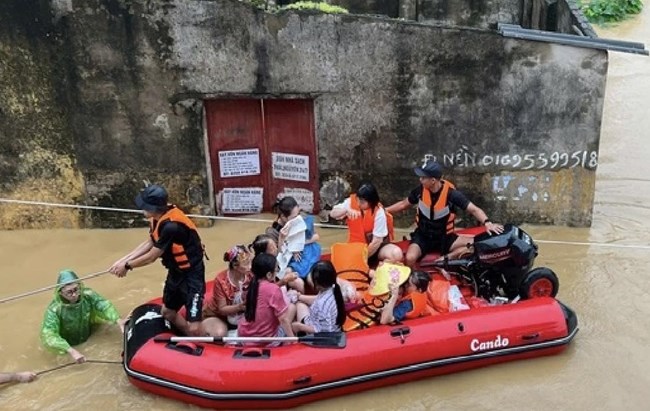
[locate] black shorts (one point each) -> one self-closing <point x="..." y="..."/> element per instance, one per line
<point x="373" y="260"/>
<point x="429" y="244"/>
<point x="186" y="288"/>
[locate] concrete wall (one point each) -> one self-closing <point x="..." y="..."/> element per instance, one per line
<point x="470" y="13"/>
<point x="111" y="93"/>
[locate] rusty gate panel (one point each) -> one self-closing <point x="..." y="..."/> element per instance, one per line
<point x="236" y="145"/>
<point x="291" y="140"/>
<point x="262" y="149"/>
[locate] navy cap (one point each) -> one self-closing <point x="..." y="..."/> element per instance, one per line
<point x="431" y="169"/>
<point x="152" y="198"/>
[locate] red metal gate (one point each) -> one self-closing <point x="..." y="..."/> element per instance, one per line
<point x="261" y="150"/>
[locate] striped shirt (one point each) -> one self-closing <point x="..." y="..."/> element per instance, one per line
<point x="322" y="313"/>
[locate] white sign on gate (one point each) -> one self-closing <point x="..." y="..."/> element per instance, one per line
<point x="242" y="200"/>
<point x="290" y="166"/>
<point x="304" y="197"/>
<point x="237" y="163"/>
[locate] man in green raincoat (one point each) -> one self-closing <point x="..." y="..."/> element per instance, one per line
<point x="71" y="315"/>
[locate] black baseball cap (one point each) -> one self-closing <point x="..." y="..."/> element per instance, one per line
<point x="152" y="198"/>
<point x="431" y="169"/>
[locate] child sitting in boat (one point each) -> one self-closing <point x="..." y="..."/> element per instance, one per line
<point x="297" y="241"/>
<point x="265" y="243"/>
<point x="225" y="309"/>
<point x="324" y="312"/>
<point x="267" y="314"/>
<point x="407" y="298"/>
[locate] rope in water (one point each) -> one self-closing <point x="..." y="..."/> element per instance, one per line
<point x="51" y="287"/>
<point x="259" y="220"/>
<point x="59" y="367"/>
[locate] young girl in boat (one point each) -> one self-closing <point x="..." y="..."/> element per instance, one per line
<point x="225" y="309"/>
<point x="266" y="314"/>
<point x="324" y="312"/>
<point x="265" y="243"/>
<point x="407" y="298"/>
<point x="297" y="242"/>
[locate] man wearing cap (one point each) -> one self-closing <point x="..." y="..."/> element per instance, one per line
<point x="436" y="200"/>
<point x="173" y="237"/>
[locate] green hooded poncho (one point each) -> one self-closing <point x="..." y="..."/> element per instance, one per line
<point x="67" y="324"/>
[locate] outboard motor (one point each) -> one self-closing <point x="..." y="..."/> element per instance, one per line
<point x="512" y="252"/>
<point x="501" y="266"/>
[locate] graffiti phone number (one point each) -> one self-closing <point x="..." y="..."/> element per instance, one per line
<point x="556" y="160"/>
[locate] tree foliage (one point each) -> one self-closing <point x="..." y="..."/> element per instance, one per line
<point x="605" y="11"/>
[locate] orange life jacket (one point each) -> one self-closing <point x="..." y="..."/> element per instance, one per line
<point x="369" y="311"/>
<point x="360" y="229"/>
<point x="181" y="256"/>
<point x="419" y="302"/>
<point x="435" y="218"/>
<point x="349" y="257"/>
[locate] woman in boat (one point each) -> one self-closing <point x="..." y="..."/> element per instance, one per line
<point x="369" y="223"/>
<point x="297" y="242"/>
<point x="266" y="314"/>
<point x="325" y="312"/>
<point x="226" y="308"/>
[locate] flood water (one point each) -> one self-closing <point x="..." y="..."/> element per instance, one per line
<point x="606" y="283"/>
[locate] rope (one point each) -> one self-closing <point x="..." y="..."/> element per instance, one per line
<point x="259" y="220"/>
<point x="50" y="287"/>
<point x="130" y="210"/>
<point x="60" y="367"/>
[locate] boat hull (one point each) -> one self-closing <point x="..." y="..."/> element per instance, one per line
<point x="236" y="377"/>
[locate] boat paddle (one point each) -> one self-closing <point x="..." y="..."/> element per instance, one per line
<point x="324" y="339"/>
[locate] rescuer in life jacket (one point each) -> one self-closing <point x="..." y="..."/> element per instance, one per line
<point x="173" y="237"/>
<point x="369" y="223"/>
<point x="436" y="201"/>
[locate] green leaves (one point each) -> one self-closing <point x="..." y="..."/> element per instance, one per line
<point x="606" y="11"/>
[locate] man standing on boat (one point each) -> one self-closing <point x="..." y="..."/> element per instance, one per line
<point x="436" y="200"/>
<point x="173" y="237"/>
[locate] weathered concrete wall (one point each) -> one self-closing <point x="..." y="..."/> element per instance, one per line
<point x="37" y="155"/>
<point x="517" y="123"/>
<point x="389" y="8"/>
<point x="92" y="111"/>
<point x="470" y="13"/>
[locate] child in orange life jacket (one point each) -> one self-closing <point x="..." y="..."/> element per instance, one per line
<point x="408" y="297"/>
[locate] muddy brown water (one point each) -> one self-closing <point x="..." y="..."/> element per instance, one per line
<point x="606" y="283"/>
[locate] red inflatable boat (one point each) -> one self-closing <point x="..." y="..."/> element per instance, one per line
<point x="324" y="365"/>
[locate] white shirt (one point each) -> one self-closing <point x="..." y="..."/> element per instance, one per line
<point x="380" y="229"/>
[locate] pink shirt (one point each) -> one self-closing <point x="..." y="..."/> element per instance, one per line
<point x="270" y="306"/>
